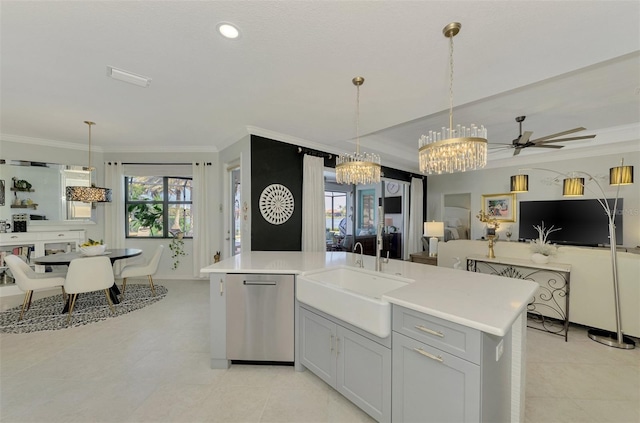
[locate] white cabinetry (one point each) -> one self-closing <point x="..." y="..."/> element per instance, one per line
<point x="446" y="372"/>
<point x="36" y="244"/>
<point x="355" y="365"/>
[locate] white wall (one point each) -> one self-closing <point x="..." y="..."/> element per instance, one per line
<point x="239" y="152"/>
<point x="496" y="181"/>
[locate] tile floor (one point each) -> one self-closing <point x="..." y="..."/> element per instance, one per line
<point x="152" y="365"/>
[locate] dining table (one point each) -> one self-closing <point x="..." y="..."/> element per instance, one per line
<point x="64" y="259"/>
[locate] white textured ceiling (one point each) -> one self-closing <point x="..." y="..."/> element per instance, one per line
<point x="562" y="63"/>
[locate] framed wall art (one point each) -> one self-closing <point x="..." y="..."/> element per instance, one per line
<point x="502" y="207"/>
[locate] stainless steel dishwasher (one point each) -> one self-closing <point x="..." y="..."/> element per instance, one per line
<point x="260" y="317"/>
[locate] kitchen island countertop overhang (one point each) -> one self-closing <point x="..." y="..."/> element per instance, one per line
<point x="487" y="303"/>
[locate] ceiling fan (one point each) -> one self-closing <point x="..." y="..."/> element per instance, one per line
<point x="524" y="141"/>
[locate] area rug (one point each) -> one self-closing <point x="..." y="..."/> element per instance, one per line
<point x="46" y="313"/>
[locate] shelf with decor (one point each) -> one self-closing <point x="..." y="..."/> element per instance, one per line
<point x="35" y="244"/>
<point x="25" y="206"/>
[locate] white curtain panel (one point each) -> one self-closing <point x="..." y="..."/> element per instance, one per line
<point x="313" y="220"/>
<point x="202" y="214"/>
<point x="415" y="217"/>
<point x="114" y="223"/>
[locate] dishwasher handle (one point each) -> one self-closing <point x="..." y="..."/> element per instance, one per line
<point x="260" y="283"/>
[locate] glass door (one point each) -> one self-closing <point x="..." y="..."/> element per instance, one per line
<point x="234" y="234"/>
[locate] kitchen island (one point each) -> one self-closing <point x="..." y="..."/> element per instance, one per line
<point x="492" y="306"/>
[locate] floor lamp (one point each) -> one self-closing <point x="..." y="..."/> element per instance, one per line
<point x="573" y="186"/>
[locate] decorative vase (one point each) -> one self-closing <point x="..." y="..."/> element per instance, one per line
<point x="539" y="258"/>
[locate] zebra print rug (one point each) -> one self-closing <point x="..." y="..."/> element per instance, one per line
<point x="46" y="313"/>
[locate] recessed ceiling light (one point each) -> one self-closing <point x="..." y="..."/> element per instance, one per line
<point x="126" y="76"/>
<point x="228" y="30"/>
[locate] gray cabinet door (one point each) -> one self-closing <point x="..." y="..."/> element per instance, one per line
<point x="430" y="385"/>
<point x="218" y="321"/>
<point x="364" y="373"/>
<point x="317" y="345"/>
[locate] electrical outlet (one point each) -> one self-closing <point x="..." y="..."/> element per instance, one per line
<point x="499" y="350"/>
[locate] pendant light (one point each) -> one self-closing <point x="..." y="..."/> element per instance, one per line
<point x="90" y="194"/>
<point x="453" y="149"/>
<point x="358" y="168"/>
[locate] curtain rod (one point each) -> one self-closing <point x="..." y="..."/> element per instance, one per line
<point x="164" y="164"/>
<point x="316" y="153"/>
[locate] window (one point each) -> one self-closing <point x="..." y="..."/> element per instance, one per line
<point x="157" y="206"/>
<point x="335" y="205"/>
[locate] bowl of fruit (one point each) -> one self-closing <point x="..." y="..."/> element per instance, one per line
<point x="92" y="248"/>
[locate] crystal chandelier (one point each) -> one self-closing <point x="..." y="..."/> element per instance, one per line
<point x="358" y="168"/>
<point x="453" y="149"/>
<point x="90" y="194"/>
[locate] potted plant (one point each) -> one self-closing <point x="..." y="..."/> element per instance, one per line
<point x="540" y="248"/>
<point x="177" y="247"/>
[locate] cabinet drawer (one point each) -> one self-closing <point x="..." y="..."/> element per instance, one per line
<point x="430" y="385"/>
<point x="453" y="338"/>
<point x="17" y="237"/>
<point x="60" y="236"/>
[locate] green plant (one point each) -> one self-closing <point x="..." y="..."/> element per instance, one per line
<point x="147" y="215"/>
<point x="177" y="248"/>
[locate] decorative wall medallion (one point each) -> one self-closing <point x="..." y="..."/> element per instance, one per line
<point x="276" y="204"/>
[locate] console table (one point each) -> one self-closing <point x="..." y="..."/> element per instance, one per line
<point x="550" y="304"/>
<point x="424" y="258"/>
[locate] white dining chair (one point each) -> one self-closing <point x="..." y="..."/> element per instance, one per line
<point x="28" y="280"/>
<point x="87" y="275"/>
<point x="148" y="269"/>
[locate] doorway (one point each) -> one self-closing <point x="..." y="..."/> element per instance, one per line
<point x="457" y="216"/>
<point x="234" y="234"/>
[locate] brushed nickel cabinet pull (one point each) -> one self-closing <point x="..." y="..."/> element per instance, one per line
<point x="221" y="287"/>
<point x="429" y="331"/>
<point x="331" y="342"/>
<point x="429" y="355"/>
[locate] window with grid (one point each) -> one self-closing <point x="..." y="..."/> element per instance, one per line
<point x="158" y="206"/>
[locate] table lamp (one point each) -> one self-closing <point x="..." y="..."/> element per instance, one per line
<point x="433" y="230"/>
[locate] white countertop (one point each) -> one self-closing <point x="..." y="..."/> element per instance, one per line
<point x="485" y="302"/>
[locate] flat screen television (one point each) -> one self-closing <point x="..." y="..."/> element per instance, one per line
<point x="393" y="205"/>
<point x="583" y="222"/>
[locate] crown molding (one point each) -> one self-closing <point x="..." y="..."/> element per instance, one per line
<point x="98" y="149"/>
<point x="290" y="139"/>
<point x="161" y="149"/>
<point x="48" y="143"/>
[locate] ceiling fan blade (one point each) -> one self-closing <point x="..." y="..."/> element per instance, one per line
<point x="525" y="137"/>
<point x="570" y="131"/>
<point x="547" y="146"/>
<point x="585" y="137"/>
<point x="516" y="151"/>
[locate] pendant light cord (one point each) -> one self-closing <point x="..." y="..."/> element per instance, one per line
<point x="358" y="119"/>
<point x="451" y="83"/>
<point x="89" y="146"/>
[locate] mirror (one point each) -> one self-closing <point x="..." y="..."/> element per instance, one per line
<point x="37" y="189"/>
